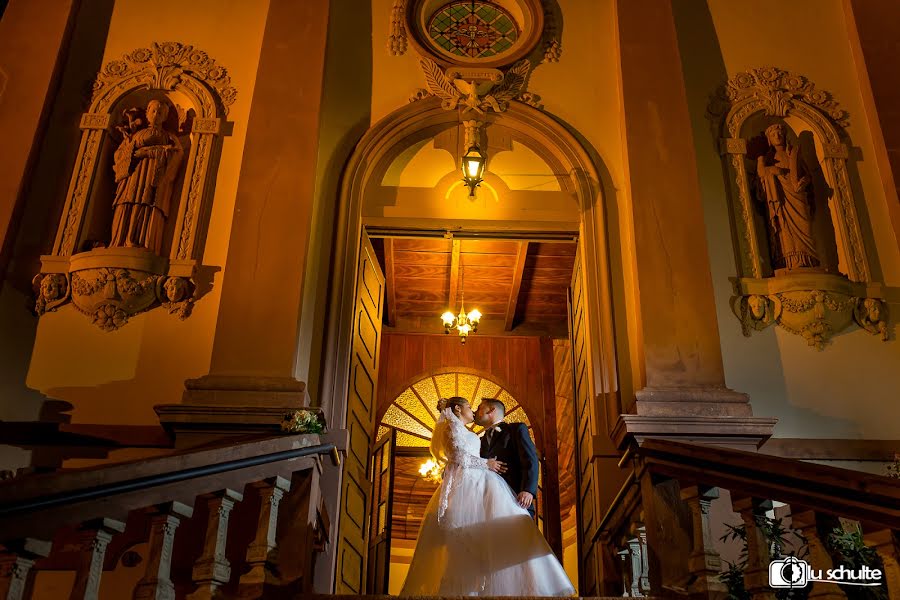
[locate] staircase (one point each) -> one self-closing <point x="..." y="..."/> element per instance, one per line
<point x="247" y="520"/>
<point x="658" y="533"/>
<point x="172" y="526"/>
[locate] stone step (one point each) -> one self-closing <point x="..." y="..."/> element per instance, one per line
<point x="385" y="597"/>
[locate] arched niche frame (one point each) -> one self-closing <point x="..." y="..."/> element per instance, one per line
<point x="425" y="119"/>
<point x="111" y="284"/>
<point x="812" y="303"/>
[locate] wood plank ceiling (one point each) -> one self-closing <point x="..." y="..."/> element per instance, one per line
<point x="519" y="286"/>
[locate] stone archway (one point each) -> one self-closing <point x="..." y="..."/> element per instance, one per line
<point x="577" y="173"/>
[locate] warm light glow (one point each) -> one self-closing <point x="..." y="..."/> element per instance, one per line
<point x="473" y="168"/>
<point x="430" y="470"/>
<point x="463" y="323"/>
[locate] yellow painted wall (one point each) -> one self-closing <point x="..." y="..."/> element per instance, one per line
<point x="849" y="389"/>
<point x="117" y="377"/>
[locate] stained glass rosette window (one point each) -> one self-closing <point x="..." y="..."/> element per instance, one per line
<point x="473" y="29"/>
<point x="414" y="412"/>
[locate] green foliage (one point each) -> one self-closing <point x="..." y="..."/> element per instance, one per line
<point x="850" y="550"/>
<point x="775" y="534"/>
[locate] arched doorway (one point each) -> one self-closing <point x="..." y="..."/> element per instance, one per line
<point x="358" y="297"/>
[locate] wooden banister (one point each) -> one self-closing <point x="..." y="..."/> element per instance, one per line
<point x="670" y="487"/>
<point x="831" y="490"/>
<point x="37" y="506"/>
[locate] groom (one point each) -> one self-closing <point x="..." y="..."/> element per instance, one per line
<point x="510" y="444"/>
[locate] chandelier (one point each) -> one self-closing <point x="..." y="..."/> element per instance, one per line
<point x="431" y="471"/>
<point x="464" y="323"/>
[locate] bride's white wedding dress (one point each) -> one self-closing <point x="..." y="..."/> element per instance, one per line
<point x="475" y="539"/>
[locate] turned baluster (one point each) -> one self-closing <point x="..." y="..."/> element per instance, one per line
<point x="756" y="575"/>
<point x="164" y="520"/>
<point x="805" y="520"/>
<point x="262" y="553"/>
<point x="637" y="570"/>
<point x="886" y="544"/>
<point x="704" y="563"/>
<point x="625" y="555"/>
<point x="212" y="569"/>
<point x="94" y="537"/>
<point x="16" y="574"/>
<point x="298" y="545"/>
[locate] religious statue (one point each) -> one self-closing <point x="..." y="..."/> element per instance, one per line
<point x="146" y="163"/>
<point x="784" y="189"/>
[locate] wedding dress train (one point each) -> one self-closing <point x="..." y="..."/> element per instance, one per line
<point x="475" y="539"/>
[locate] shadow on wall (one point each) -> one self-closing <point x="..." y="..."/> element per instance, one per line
<point x="783" y="376"/>
<point x="346" y="116"/>
<point x="43" y="201"/>
<point x="755" y="365"/>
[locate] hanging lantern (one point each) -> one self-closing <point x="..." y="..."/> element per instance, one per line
<point x="473" y="168"/>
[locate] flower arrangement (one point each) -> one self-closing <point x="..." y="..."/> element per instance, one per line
<point x="893" y="469"/>
<point x="302" y="421"/>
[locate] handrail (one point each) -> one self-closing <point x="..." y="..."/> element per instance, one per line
<point x="827" y="489"/>
<point x="141" y="483"/>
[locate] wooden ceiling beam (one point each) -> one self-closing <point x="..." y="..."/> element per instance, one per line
<point x="518" y="272"/>
<point x="390" y="284"/>
<point x="454" y="275"/>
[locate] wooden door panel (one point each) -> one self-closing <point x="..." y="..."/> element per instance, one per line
<point x="381" y="473"/>
<point x="585" y="430"/>
<point x="356" y="488"/>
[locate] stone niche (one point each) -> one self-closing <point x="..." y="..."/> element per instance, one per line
<point x="800" y="251"/>
<point x="134" y="222"/>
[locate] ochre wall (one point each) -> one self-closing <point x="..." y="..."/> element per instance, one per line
<point x="847" y="390"/>
<point x="117" y="377"/>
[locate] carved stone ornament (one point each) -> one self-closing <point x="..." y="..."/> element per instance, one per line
<point x="476" y="90"/>
<point x="815" y="315"/>
<point x="397" y="40"/>
<point x="799" y="296"/>
<point x="161" y="175"/>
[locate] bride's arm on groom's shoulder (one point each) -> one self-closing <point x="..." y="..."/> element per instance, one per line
<point x="528" y="458"/>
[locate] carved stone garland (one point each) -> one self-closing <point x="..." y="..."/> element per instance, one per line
<point x="112" y="284"/>
<point x="812" y="305"/>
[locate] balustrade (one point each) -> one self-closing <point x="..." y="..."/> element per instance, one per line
<point x="663" y="542"/>
<point x="67" y="521"/>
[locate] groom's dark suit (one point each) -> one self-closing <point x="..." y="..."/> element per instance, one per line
<point x="510" y="443"/>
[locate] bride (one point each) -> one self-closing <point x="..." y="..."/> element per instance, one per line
<point x="475" y="539"/>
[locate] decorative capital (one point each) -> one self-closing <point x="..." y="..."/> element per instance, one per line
<point x="835" y="151"/>
<point x="95" y="121"/>
<point x="732" y="146"/>
<point x="207" y="126"/>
